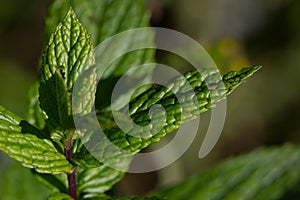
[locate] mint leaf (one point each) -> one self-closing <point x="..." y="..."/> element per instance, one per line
<point x="9" y="121"/>
<point x="55" y="101"/>
<point x="29" y="149"/>
<point x="55" y="182"/>
<point x="69" y="50"/>
<point x="84" y="97"/>
<point x="234" y="78"/>
<point x="206" y="86"/>
<point x="266" y="173"/>
<point x="33" y="152"/>
<point x="139" y="109"/>
<point x="96" y="16"/>
<point x="52" y="181"/>
<point x="68" y="58"/>
<point x="131" y="14"/>
<point x="97" y="180"/>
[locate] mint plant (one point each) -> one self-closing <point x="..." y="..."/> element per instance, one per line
<point x="48" y="141"/>
<point x="266" y="173"/>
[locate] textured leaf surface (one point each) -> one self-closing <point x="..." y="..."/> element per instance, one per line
<point x="33" y="152"/>
<point x="140" y="106"/>
<point x="9" y="122"/>
<point x="97" y="180"/>
<point x="68" y="56"/>
<point x="267" y="173"/>
<point x="28" y="149"/>
<point x="103" y="19"/>
<point x="69" y="50"/>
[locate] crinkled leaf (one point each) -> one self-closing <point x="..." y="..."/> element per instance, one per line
<point x="60" y="196"/>
<point x="103" y="19"/>
<point x="33" y="152"/>
<point x="97" y="180"/>
<point x="69" y="50"/>
<point x="207" y="85"/>
<point x="208" y="92"/>
<point x="265" y="174"/>
<point x="29" y="149"/>
<point x="68" y="58"/>
<point x="84" y="96"/>
<point x="9" y="122"/>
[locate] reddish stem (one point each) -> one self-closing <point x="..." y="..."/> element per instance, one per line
<point x="71" y="176"/>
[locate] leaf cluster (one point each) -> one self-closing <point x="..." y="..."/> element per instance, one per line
<point x="49" y="144"/>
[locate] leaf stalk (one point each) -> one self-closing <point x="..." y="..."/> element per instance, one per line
<point x="72" y="175"/>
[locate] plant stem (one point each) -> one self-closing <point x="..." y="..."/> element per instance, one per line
<point x="72" y="185"/>
<point x="71" y="176"/>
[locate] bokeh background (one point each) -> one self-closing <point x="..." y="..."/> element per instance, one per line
<point x="264" y="111"/>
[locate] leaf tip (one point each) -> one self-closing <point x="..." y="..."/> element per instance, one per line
<point x="234" y="78"/>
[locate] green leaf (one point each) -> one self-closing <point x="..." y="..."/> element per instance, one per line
<point x="55" y="182"/>
<point x="69" y="50"/>
<point x="29" y="149"/>
<point x="60" y="196"/>
<point x="84" y="97"/>
<point x="97" y="180"/>
<point x="9" y="121"/>
<point x="234" y="78"/>
<point x="136" y="139"/>
<point x="96" y="16"/>
<point x="34" y="153"/>
<point x="207" y="87"/>
<point x="55" y="101"/>
<point x="34" y="112"/>
<point x="267" y="173"/>
<point x="68" y="58"/>
<point x="84" y="159"/>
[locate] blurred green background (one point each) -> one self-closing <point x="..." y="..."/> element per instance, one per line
<point x="264" y="111"/>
